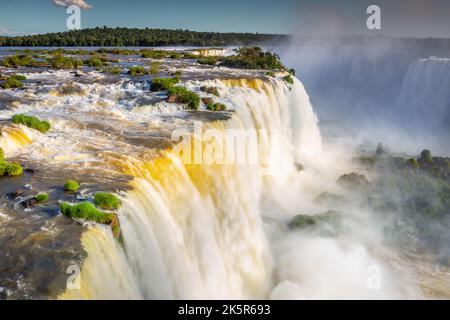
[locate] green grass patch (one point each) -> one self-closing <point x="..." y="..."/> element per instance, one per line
<point x="95" y="62"/>
<point x="155" y="67"/>
<point x="208" y="60"/>
<point x="107" y="201"/>
<point x="154" y="54"/>
<point x="17" y="61"/>
<point x="71" y="185"/>
<point x="58" y="61"/>
<point x="136" y="71"/>
<point x="163" y="84"/>
<point x="31" y="122"/>
<point x="180" y="94"/>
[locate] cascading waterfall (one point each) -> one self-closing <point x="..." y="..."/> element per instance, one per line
<point x="194" y="231"/>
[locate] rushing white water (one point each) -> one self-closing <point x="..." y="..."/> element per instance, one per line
<point x="196" y="231"/>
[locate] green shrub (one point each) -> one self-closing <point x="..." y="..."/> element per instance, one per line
<point x="13" y="169"/>
<point x="86" y="211"/>
<point x="61" y="62"/>
<point x="17" y="61"/>
<point x="2" y="154"/>
<point x="270" y="74"/>
<point x="136" y="71"/>
<point x="71" y="185"/>
<point x="106" y="201"/>
<point x="162" y="84"/>
<point x="216" y="107"/>
<point x="31" y="122"/>
<point x="41" y="197"/>
<point x="288" y="79"/>
<point x="175" y="55"/>
<point x="180" y="94"/>
<point x="12" y="83"/>
<point x="426" y="156"/>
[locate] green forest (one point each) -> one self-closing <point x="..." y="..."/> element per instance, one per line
<point x="130" y="37"/>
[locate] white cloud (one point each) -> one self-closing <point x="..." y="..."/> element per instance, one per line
<point x="66" y="3"/>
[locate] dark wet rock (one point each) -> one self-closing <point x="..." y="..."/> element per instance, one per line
<point x="299" y="166"/>
<point x="210" y="90"/>
<point x="328" y="223"/>
<point x="328" y="198"/>
<point x="30" y="203"/>
<point x="353" y="181"/>
<point x="207" y="101"/>
<point x="29" y="170"/>
<point x="17" y="193"/>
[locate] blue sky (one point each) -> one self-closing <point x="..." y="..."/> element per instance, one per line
<point x="413" y="18"/>
<point x="262" y="16"/>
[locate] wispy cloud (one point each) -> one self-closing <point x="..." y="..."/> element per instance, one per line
<point x="66" y="3"/>
<point x="7" y="32"/>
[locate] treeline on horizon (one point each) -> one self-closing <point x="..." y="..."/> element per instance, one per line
<point x="133" y="37"/>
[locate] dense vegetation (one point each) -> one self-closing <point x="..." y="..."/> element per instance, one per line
<point x="181" y="94"/>
<point x="117" y="37"/>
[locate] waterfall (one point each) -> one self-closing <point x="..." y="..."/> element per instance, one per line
<point x="12" y="138"/>
<point x="196" y="231"/>
<point x="425" y="94"/>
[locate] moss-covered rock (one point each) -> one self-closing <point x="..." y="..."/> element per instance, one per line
<point x="31" y="122"/>
<point x="353" y="181"/>
<point x="328" y="223"/>
<point x="331" y="199"/>
<point x="71" y="185"/>
<point x="86" y="211"/>
<point x="42" y="197"/>
<point x="107" y="201"/>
